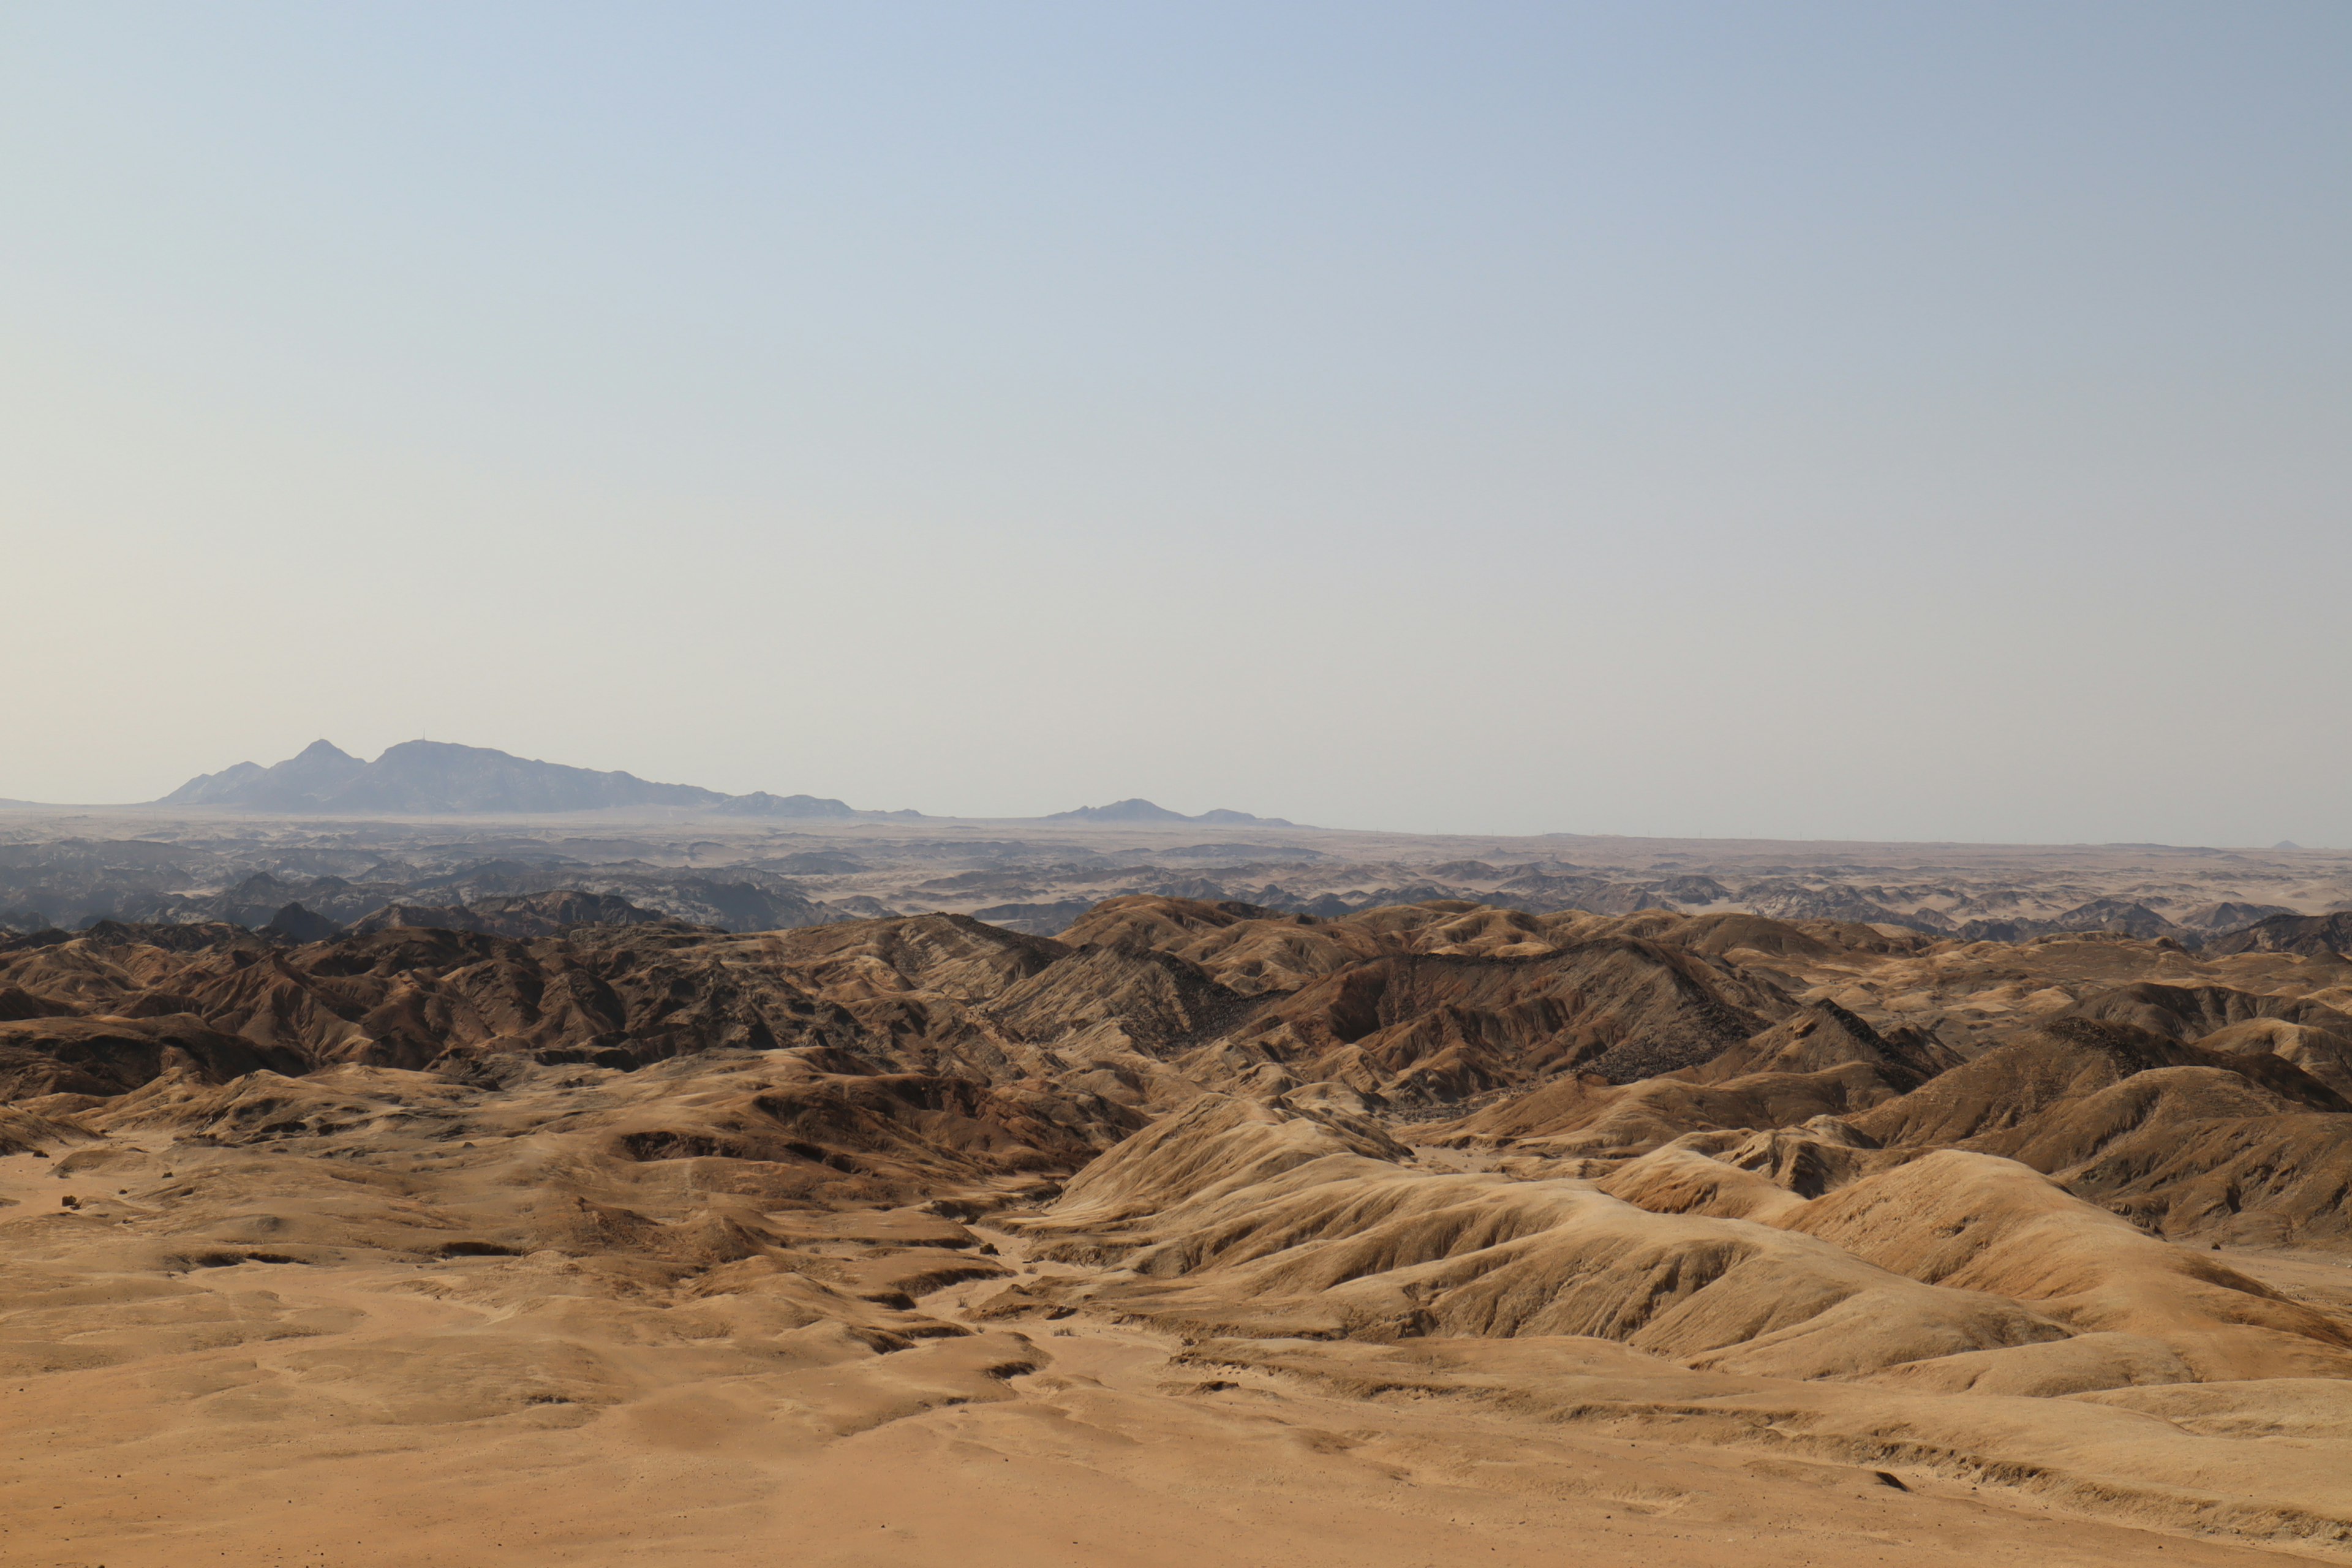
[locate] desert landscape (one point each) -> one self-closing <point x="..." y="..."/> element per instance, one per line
<point x="481" y="1176"/>
<point x="1539" y="784"/>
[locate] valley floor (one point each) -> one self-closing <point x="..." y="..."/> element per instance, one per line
<point x="365" y="1414"/>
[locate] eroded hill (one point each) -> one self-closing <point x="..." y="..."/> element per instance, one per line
<point x="1428" y="1228"/>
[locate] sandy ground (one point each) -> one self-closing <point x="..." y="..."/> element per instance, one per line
<point x="329" y="1441"/>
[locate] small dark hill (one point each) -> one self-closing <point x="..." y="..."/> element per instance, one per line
<point x="108" y="1056"/>
<point x="524" y="915"/>
<point x="2315" y="936"/>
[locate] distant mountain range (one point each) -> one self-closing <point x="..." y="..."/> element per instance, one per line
<point x="1145" y="810"/>
<point x="427" y="778"/>
<point x="436" y="778"/>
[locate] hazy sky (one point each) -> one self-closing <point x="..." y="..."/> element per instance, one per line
<point x="1813" y="420"/>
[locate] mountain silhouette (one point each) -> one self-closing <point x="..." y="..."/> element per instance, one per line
<point x="426" y="778"/>
<point x="1140" y="810"/>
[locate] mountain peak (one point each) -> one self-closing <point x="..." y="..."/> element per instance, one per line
<point x="435" y="778"/>
<point x="1137" y="809"/>
<point x="291" y="785"/>
<point x="423" y="778"/>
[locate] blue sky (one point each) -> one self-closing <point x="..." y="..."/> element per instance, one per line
<point x="1810" y="420"/>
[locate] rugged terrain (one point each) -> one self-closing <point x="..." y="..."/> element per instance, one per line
<point x="766" y="862"/>
<point x="493" y="1222"/>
